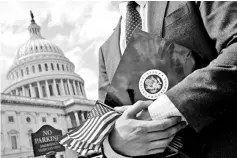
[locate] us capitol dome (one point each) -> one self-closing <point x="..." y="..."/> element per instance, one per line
<point x="41" y="70"/>
<point x="43" y="90"/>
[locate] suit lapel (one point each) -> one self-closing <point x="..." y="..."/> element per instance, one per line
<point x="112" y="51"/>
<point x="155" y="16"/>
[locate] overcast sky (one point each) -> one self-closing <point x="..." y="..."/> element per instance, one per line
<point x="77" y="27"/>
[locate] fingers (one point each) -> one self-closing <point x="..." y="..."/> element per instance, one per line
<point x="137" y="107"/>
<point x="170" y="132"/>
<point x="159" y="125"/>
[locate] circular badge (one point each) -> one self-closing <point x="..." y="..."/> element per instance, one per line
<point x="153" y="83"/>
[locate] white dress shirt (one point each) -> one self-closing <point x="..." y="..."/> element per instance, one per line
<point x="161" y="108"/>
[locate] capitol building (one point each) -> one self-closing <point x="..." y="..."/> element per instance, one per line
<point x="43" y="90"/>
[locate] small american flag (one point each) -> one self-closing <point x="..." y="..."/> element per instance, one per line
<point x="91" y="133"/>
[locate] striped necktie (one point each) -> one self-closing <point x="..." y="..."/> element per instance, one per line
<point x="133" y="20"/>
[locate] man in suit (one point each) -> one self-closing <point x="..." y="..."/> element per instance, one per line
<point x="206" y="98"/>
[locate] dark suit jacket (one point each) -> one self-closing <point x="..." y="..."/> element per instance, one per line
<point x="207" y="97"/>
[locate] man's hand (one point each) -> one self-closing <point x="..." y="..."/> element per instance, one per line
<point x="133" y="137"/>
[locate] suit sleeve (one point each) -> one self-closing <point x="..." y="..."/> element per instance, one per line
<point x="208" y="93"/>
<point x="103" y="78"/>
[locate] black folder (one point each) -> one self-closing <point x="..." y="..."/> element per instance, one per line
<point x="146" y="52"/>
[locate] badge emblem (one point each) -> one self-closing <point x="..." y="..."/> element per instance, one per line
<point x="153" y="83"/>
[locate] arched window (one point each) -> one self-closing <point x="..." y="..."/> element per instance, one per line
<point x="33" y="69"/>
<point x="58" y="67"/>
<point x="39" y="68"/>
<point x="46" y="67"/>
<point x="52" y="66"/>
<point x="58" y="89"/>
<point x="27" y="71"/>
<point x="36" y="92"/>
<point x="50" y="90"/>
<point x="28" y="92"/>
<point x="67" y="68"/>
<point x="44" y="91"/>
<point x="13" y="135"/>
<point x="63" y="67"/>
<point x="22" y="74"/>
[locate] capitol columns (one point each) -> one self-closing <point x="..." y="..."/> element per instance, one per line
<point x="70" y="87"/>
<point x="47" y="88"/>
<point x="40" y="90"/>
<point x="55" y="87"/>
<point x="78" y="88"/>
<point x="62" y="87"/>
<point x="32" y="92"/>
<point x="17" y="91"/>
<point x="83" y="116"/>
<point x="77" y="119"/>
<point x="23" y="91"/>
<point x="68" y="121"/>
<point x="83" y="89"/>
<point x="74" y="87"/>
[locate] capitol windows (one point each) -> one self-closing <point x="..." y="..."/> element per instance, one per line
<point x="58" y="67"/>
<point x="58" y="89"/>
<point x="40" y="69"/>
<point x="44" y="91"/>
<point x="63" y="67"/>
<point x="50" y="90"/>
<point x="27" y="71"/>
<point x="33" y="69"/>
<point x="43" y="119"/>
<point x="52" y="66"/>
<point x="46" y="67"/>
<point x="27" y="90"/>
<point x="20" y="92"/>
<point x="22" y="74"/>
<point x="13" y="135"/>
<point x="28" y="119"/>
<point x="85" y="114"/>
<point x="54" y="120"/>
<point x="10" y="119"/>
<point x="36" y="92"/>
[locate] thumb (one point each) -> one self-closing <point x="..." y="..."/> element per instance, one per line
<point x="121" y="108"/>
<point x="137" y="107"/>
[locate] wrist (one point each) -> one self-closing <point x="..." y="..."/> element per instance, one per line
<point x="115" y="144"/>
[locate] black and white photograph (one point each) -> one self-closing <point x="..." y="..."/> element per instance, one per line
<point x="118" y="79"/>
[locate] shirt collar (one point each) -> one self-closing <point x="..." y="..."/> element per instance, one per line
<point x="123" y="7"/>
<point x="141" y="3"/>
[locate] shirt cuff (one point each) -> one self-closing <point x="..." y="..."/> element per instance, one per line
<point x="109" y="152"/>
<point x="163" y="108"/>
